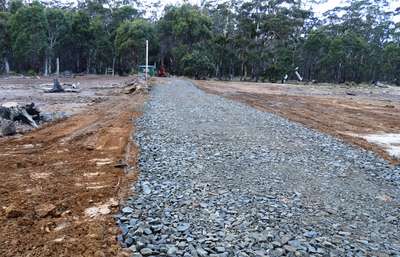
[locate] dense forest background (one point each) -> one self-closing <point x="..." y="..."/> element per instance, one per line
<point x="255" y="40"/>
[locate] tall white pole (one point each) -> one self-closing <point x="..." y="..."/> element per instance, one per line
<point x="147" y="58"/>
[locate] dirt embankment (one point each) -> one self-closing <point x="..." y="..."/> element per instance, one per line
<point x="61" y="184"/>
<point x="347" y="113"/>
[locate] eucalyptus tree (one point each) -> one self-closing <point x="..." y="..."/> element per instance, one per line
<point x="222" y="44"/>
<point x="182" y="30"/>
<point x="28" y="31"/>
<point x="56" y="29"/>
<point x="130" y="43"/>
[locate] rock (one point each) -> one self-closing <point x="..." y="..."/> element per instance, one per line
<point x="127" y="210"/>
<point x="327" y="244"/>
<point x="285" y="239"/>
<point x="129" y="242"/>
<point x="13" y="212"/>
<point x="140" y="244"/>
<point x="278" y="252"/>
<point x="201" y="252"/>
<point x="391" y="219"/>
<point x="243" y="254"/>
<point x="7" y="127"/>
<point x="310" y="234"/>
<point x="344" y="233"/>
<point x="220" y="249"/>
<point x="289" y="248"/>
<point x="259" y="237"/>
<point x="183" y="227"/>
<point x="296" y="244"/>
<point x="203" y="205"/>
<point x="146" y="188"/>
<point x="42" y="210"/>
<point x="146" y="251"/>
<point x="147" y="231"/>
<point x="260" y="253"/>
<point x="311" y="249"/>
<point x="172" y="251"/>
<point x="133" y="248"/>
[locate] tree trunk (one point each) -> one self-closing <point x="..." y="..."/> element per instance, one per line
<point x="77" y="64"/>
<point x="49" y="62"/>
<point x="113" y="66"/>
<point x="46" y="71"/>
<point x="88" y="66"/>
<point x="6" y="65"/>
<point x="242" y="71"/>
<point x="231" y="75"/>
<point x="58" y="66"/>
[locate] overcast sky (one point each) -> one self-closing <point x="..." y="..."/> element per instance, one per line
<point x="319" y="9"/>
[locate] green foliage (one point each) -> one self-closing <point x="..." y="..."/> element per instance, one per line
<point x="15" y="5"/>
<point x="57" y="28"/>
<point x="31" y="73"/>
<point x="130" y="43"/>
<point x="196" y="64"/>
<point x="251" y="40"/>
<point x="186" y="24"/>
<point x="391" y="65"/>
<point x="180" y="30"/>
<point x="4" y="34"/>
<point x="28" y="36"/>
<point x="101" y="48"/>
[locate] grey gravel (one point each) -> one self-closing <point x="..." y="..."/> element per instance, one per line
<point x="127" y="210"/>
<point x="219" y="178"/>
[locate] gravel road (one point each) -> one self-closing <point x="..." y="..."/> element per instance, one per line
<point x="219" y="178"/>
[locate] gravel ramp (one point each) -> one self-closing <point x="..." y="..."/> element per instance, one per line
<point x="219" y="178"/>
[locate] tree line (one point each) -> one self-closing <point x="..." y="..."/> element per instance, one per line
<point x="259" y="40"/>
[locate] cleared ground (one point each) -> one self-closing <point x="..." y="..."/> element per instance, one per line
<point x="60" y="184"/>
<point x="365" y="116"/>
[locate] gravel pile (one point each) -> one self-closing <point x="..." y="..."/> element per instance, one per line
<point x="219" y="178"/>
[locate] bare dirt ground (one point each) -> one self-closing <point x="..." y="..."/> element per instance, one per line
<point x="350" y="113"/>
<point x="60" y="184"/>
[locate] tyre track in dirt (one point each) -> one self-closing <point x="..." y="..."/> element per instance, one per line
<point x="61" y="183"/>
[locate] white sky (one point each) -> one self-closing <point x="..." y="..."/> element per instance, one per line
<point x="318" y="9"/>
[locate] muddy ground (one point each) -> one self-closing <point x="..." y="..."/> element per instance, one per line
<point x="352" y="113"/>
<point x="60" y="184"/>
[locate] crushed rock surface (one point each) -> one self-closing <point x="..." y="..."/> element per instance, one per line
<point x="219" y="178"/>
